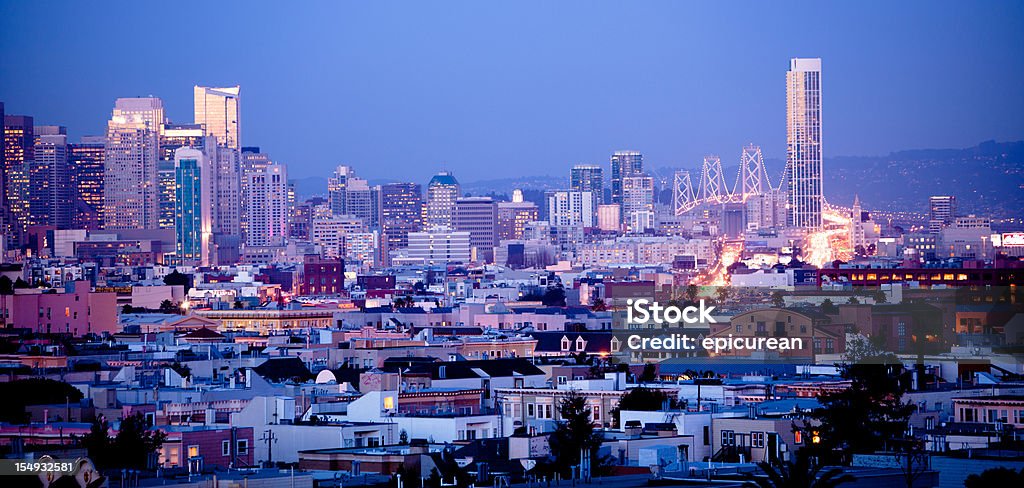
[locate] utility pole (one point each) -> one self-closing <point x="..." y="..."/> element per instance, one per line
<point x="270" y="439"/>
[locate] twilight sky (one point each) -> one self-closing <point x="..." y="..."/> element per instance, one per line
<point x="400" y="90"/>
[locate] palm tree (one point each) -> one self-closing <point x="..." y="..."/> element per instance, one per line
<point x="799" y="474"/>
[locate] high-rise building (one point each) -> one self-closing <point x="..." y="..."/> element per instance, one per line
<point x="217" y="109"/>
<point x="803" y="143"/>
<point x="4" y="209"/>
<point x="267" y="206"/>
<point x="585" y="177"/>
<point x="87" y="181"/>
<point x="638" y="203"/>
<point x="479" y="217"/>
<point x="401" y="212"/>
<point x="442" y="192"/>
<point x="253" y="161"/>
<point x="193" y="207"/>
<point x="19" y="152"/>
<point x="609" y="217"/>
<point x="570" y="208"/>
<point x="941" y="212"/>
<point x="624" y="164"/>
<point x="172" y="138"/>
<point x="439" y="246"/>
<point x="513" y="217"/>
<point x="131" y="189"/>
<point x="50" y="194"/>
<point x="337" y="189"/>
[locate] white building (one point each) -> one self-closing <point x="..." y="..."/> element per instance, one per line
<point x="267" y="205"/>
<point x="131" y="190"/>
<point x="570" y="207"/>
<point x="803" y="142"/>
<point x="439" y="247"/>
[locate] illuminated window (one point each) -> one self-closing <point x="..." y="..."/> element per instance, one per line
<point x="389" y="402"/>
<point x="193" y="451"/>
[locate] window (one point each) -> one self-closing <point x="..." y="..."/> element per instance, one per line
<point x="597" y="413"/>
<point x="225" y="448"/>
<point x="243" y="447"/>
<point x="561" y="380"/>
<point x="728" y="438"/>
<point x="193" y="451"/>
<point x="757" y="439"/>
<point x="798" y="437"/>
<point x="529" y="410"/>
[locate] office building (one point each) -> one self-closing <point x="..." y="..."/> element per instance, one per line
<point x="87" y="181"/>
<point x="513" y="217"/>
<point x="442" y="192"/>
<point x="193" y="207"/>
<point x="50" y="196"/>
<point x="267" y="206"/>
<point x="941" y="212"/>
<point x="401" y="212"/>
<point x="570" y="208"/>
<point x="217" y="109"/>
<point x="435" y="247"/>
<point x="638" y="203"/>
<point x="19" y="152"/>
<point x="131" y="189"/>
<point x="624" y="164"/>
<point x="585" y="177"/>
<point x="803" y="143"/>
<point x="479" y="217"/>
<point x="609" y="217"/>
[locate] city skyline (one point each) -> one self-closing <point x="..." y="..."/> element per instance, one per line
<point x="687" y="103"/>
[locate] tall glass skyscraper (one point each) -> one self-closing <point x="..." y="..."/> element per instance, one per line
<point x="624" y="164"/>
<point x="131" y="188"/>
<point x="585" y="177"/>
<point x="803" y="143"/>
<point x="193" y="206"/>
<point x="218" y="110"/>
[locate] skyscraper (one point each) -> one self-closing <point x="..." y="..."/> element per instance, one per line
<point x="624" y="163"/>
<point x="50" y="194"/>
<point x="253" y="161"/>
<point x="193" y="207"/>
<point x="570" y="208"/>
<point x="217" y="109"/>
<point x="87" y="182"/>
<point x="638" y="203"/>
<point x="267" y="205"/>
<point x="131" y="190"/>
<point x="401" y="212"/>
<point x="172" y="138"/>
<point x="585" y="177"/>
<point x="513" y="217"/>
<point x="19" y="152"/>
<point x="479" y="217"/>
<point x="803" y="143"/>
<point x="941" y="212"/>
<point x="442" y="192"/>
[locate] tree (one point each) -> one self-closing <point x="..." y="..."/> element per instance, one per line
<point x="574" y="433"/>
<point x="554" y="296"/>
<point x="691" y="293"/>
<point x="853" y="301"/>
<point x="649" y="374"/>
<point x="21" y="284"/>
<point x="866" y="417"/>
<point x="829" y="308"/>
<point x="403" y="437"/>
<point x="36" y="391"/>
<point x="640" y="399"/>
<point x="127" y="308"/>
<point x="130" y="448"/>
<point x="778" y="301"/>
<point x="722" y="294"/>
<point x="801" y="473"/>
<point x="168" y="306"/>
<point x="176" y="278"/>
<point x="6" y="285"/>
<point x="879" y="296"/>
<point x="995" y="477"/>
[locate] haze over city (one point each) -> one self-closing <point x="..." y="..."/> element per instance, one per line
<point x="527" y="88"/>
<point x="514" y="245"/>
